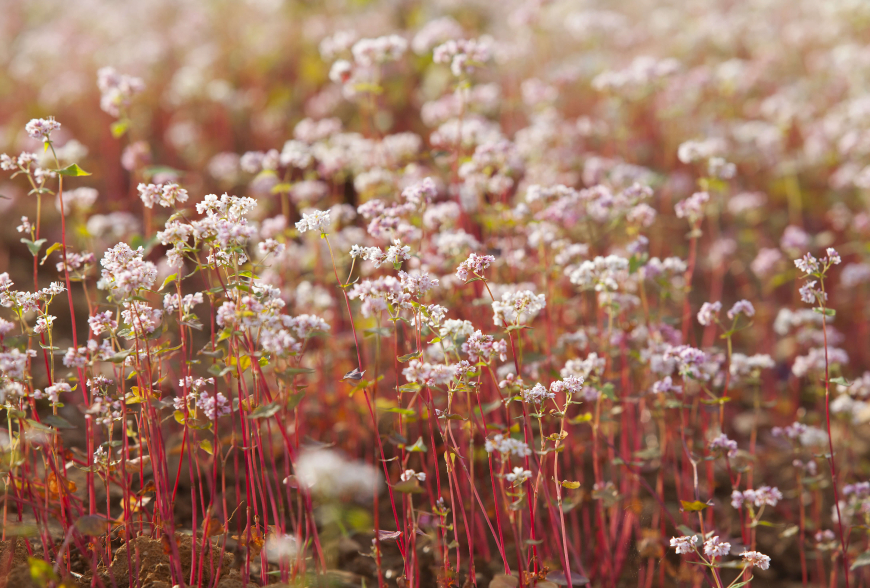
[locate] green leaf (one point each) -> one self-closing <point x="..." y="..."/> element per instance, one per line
<point x="377" y="332"/>
<point x="33" y="246"/>
<point x="41" y="572"/>
<point x="120" y="127"/>
<point x="401" y="411"/>
<point x="281" y="188"/>
<point x="841" y="381"/>
<point x="409" y="487"/>
<point x="410" y="387"/>
<point x="685" y="530"/>
<point x="418" y="447"/>
<point x="294" y="400"/>
<point x="694" y="506"/>
<point x="167" y="281"/>
<point x="72" y="170"/>
<point x="861" y="561"/>
<point x="50" y="250"/>
<point x="265" y="410"/>
<point x="517" y="327"/>
<point x="58" y="422"/>
<point x="825" y="311"/>
<point x="410" y="356"/>
<point x="292" y="371"/>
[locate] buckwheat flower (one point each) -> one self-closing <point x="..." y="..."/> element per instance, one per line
<point x="719" y="168"/>
<point x="435" y="32"/>
<point x="52" y="393"/>
<point x="418" y="283"/>
<point x="8" y="163"/>
<point x="537" y="394"/>
<point x="810" y="294"/>
<point x="756" y="559"/>
<point x="14" y="362"/>
<point x="117" y="89"/>
<point x="397" y="253"/>
<point x="518" y="476"/>
<point x="479" y="346"/>
<point x="296" y="154"/>
<point x="572" y="384"/>
<point x="368" y="52"/>
<point x="317" y="220"/>
<point x="270" y="247"/>
<point x="330" y="475"/>
<point x="81" y="199"/>
<point x="213" y="406"/>
<point x="141" y="318"/>
<point x="737" y="498"/>
<point x="25" y="226"/>
<point x="722" y="443"/>
<point x="767" y="495"/>
<point x="281" y="548"/>
<point x="716" y="548"/>
<point x="410" y="474"/>
<point x="125" y="272"/>
<point x="741" y="307"/>
<point x="515" y="305"/>
<point x="593" y="365"/>
<point x="149" y="194"/>
<point x="474" y="264"/>
<point x="41" y="128"/>
<point x="794" y="238"/>
<point x="341" y="71"/>
<point x="709" y="312"/>
<point x="305" y="325"/>
<point x="463" y="55"/>
<point x="42" y="174"/>
<point x="44" y="323"/>
<point x="507" y="446"/>
<point x="429" y="374"/>
<point x="420" y="193"/>
<point x="170" y="194"/>
<point x="692" y="151"/>
<point x="684" y="544"/>
<point x="5" y="327"/>
<point x="807" y="264"/>
<point x="603" y="274"/>
<point x="692" y="207"/>
<point x="75" y="358"/>
<point x="833" y="258"/>
<point x="664" y="385"/>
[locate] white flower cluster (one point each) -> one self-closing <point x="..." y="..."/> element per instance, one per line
<point x="117" y="90"/>
<point x="317" y="220"/>
<point x="516" y="305"/>
<point x="41" y="128"/>
<point x="600" y="274"/>
<point x="475" y="264"/>
<point x="764" y="495"/>
<point x="165" y="195"/>
<point x="507" y="446"/>
<point x="429" y="374"/>
<point x="330" y="475"/>
<point x="125" y="272"/>
<point x="464" y="55"/>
